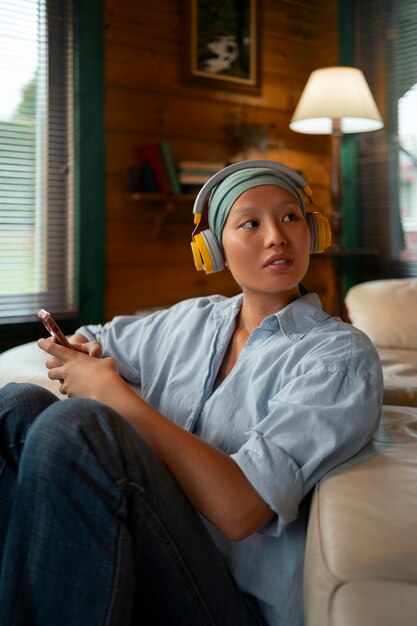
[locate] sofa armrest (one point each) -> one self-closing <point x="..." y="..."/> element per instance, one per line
<point x="26" y="363"/>
<point x="361" y="553"/>
<point x="386" y="310"/>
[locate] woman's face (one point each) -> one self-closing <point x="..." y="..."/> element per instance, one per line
<point x="266" y="242"/>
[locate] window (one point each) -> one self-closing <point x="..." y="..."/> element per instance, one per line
<point x="37" y="255"/>
<point x="387" y="53"/>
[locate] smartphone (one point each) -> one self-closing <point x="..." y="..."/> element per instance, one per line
<point x="53" y="328"/>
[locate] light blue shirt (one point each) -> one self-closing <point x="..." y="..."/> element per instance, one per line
<point x="304" y="396"/>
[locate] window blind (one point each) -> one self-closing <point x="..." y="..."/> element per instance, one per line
<point x="37" y="252"/>
<point x="387" y="159"/>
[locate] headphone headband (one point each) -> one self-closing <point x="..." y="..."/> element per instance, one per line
<point x="217" y="178"/>
<point x="207" y="252"/>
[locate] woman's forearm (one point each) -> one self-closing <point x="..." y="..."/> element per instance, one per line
<point x="212" y="481"/>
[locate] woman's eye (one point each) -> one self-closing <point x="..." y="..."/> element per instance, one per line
<point x="290" y="217"/>
<point x="250" y="224"/>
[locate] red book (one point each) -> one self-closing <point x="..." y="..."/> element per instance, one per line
<point x="151" y="153"/>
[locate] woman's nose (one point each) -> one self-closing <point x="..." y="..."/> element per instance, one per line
<point x="274" y="236"/>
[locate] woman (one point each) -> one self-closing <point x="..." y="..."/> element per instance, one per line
<point x="187" y="505"/>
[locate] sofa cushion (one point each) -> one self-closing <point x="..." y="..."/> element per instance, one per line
<point x="400" y="375"/>
<point x="386" y="310"/>
<point x="375" y="603"/>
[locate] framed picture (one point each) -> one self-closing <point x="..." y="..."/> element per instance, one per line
<point x="223" y="48"/>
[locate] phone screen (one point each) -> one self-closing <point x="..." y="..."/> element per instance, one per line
<point x="52" y="327"/>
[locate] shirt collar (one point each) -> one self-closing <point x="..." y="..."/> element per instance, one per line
<point x="295" y="320"/>
<point x="226" y="306"/>
<point x="301" y="316"/>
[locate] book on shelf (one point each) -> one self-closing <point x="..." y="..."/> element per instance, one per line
<point x="142" y="178"/>
<point x="194" y="173"/>
<point x="170" y="167"/>
<point x="201" y="166"/>
<point x="156" y="171"/>
<point x="147" y="178"/>
<point x="157" y="156"/>
<point x="200" y="178"/>
<point x="150" y="155"/>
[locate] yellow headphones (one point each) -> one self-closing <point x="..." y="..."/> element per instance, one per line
<point x="208" y="255"/>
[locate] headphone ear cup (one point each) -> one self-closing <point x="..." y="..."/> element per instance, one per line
<point x="207" y="253"/>
<point x="320" y="233"/>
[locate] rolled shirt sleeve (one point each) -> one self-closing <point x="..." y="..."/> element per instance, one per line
<point x="316" y="422"/>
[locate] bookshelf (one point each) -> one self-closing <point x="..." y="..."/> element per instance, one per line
<point x="158" y="180"/>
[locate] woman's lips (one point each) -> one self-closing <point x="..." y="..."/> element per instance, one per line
<point x="278" y="261"/>
<point x="278" y="264"/>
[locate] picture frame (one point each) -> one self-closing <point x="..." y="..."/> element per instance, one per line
<point x="223" y="44"/>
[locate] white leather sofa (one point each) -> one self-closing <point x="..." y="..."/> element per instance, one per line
<point x="26" y="363"/>
<point x="361" y="555"/>
<point x="386" y="310"/>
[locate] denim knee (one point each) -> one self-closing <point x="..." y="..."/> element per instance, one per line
<point x="76" y="430"/>
<point x="25" y="396"/>
<point x="86" y="437"/>
<point x="64" y="422"/>
<point x="72" y="449"/>
<point x="20" y="405"/>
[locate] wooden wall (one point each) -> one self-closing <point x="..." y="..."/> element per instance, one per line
<point x="148" y="259"/>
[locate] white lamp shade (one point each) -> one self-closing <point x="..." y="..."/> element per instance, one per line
<point x="336" y="93"/>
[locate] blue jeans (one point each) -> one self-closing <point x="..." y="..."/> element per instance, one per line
<point x="94" y="530"/>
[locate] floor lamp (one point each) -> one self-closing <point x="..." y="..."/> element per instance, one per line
<point x="335" y="101"/>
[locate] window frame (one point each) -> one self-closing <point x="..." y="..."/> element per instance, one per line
<point x="89" y="176"/>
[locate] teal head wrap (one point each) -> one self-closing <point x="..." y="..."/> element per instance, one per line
<point x="227" y="192"/>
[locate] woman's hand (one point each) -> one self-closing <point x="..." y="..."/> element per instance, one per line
<point x="82" y="344"/>
<point x="92" y="348"/>
<point x="79" y="370"/>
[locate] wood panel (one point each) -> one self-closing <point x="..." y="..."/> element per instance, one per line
<point x="171" y="278"/>
<point x="148" y="260"/>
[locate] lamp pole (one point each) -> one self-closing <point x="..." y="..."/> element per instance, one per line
<point x="336" y="184"/>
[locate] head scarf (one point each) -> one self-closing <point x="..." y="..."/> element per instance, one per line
<point x="228" y="191"/>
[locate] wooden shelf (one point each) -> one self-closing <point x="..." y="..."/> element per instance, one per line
<point x="146" y="196"/>
<point x="168" y="202"/>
